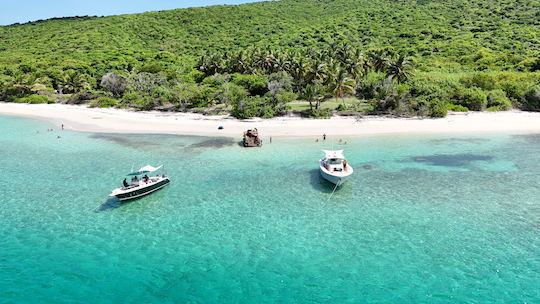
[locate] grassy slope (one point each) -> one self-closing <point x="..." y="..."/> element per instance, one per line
<point x="451" y="35"/>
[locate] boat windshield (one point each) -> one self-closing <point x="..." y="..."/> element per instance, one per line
<point x="335" y="161"/>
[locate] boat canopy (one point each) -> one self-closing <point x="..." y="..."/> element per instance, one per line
<point x="144" y="170"/>
<point x="334" y="154"/>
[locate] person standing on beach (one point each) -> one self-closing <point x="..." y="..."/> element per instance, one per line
<point x="62" y="127"/>
<point x="324" y="137"/>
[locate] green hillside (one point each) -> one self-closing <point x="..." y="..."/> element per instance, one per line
<point x="477" y="47"/>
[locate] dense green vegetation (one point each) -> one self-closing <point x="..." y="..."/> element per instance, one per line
<point x="408" y="57"/>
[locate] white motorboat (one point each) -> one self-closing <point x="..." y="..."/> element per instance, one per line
<point x="334" y="167"/>
<point x="140" y="185"/>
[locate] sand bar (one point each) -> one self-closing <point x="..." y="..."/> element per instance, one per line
<point x="84" y="119"/>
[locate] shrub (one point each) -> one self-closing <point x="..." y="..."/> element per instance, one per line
<point x="474" y="99"/>
<point x="216" y="80"/>
<point x="438" y="110"/>
<point x="194" y="76"/>
<point x="267" y="111"/>
<point x="284" y="97"/>
<point x="114" y="83"/>
<point x="480" y="80"/>
<point x="456" y="108"/>
<point x="495" y="109"/>
<point x="531" y="100"/>
<point x="104" y="102"/>
<point x="320" y="113"/>
<point x="230" y="93"/>
<point x="514" y="89"/>
<point x="282" y="80"/>
<point x="132" y="98"/>
<point x="367" y="88"/>
<point x="255" y="84"/>
<point x="33" y="99"/>
<point x="152" y="68"/>
<point x="246" y="107"/>
<point x="80" y="98"/>
<point x="498" y="99"/>
<point x="195" y="96"/>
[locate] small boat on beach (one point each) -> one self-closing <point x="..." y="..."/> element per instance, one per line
<point x="334" y="167"/>
<point x="141" y="185"/>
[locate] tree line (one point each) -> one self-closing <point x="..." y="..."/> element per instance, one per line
<point x="264" y="81"/>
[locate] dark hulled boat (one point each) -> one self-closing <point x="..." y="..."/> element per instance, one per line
<point x="141" y="185"/>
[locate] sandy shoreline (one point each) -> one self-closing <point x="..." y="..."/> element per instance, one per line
<point x="79" y="118"/>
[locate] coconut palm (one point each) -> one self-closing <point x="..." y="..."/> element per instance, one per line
<point x="316" y="71"/>
<point x="379" y="60"/>
<point x="73" y="81"/>
<point x="399" y="69"/>
<point x="340" y="83"/>
<point x="211" y="64"/>
<point x="298" y="68"/>
<point x="312" y="93"/>
<point x="357" y="65"/>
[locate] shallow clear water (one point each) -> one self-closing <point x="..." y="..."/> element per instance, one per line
<point x="432" y="219"/>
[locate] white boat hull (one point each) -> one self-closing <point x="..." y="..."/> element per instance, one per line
<point x="337" y="178"/>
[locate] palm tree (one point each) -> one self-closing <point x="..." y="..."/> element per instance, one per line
<point x="270" y="62"/>
<point x="211" y="64"/>
<point x="298" y="70"/>
<point x="358" y="65"/>
<point x="316" y="71"/>
<point x="340" y="83"/>
<point x="73" y="81"/>
<point x="379" y="60"/>
<point x="400" y="69"/>
<point x="312" y="92"/>
<point x="21" y="83"/>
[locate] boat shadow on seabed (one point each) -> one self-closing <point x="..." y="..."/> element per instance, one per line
<point x="113" y="203"/>
<point x="320" y="184"/>
<point x="110" y="204"/>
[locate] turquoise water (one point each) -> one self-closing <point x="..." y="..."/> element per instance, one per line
<point x="425" y="219"/>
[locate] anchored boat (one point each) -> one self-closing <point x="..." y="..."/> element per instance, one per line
<point x="141" y="184"/>
<point x="334" y="167"/>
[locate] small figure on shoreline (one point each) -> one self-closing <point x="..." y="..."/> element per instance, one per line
<point x="316" y="140"/>
<point x="62" y="127"/>
<point x="324" y="137"/>
<point x="270" y="139"/>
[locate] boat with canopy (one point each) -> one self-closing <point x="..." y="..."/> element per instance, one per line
<point x="141" y="184"/>
<point x="334" y="167"/>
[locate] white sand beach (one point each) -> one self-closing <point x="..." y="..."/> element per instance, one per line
<point x="81" y="118"/>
